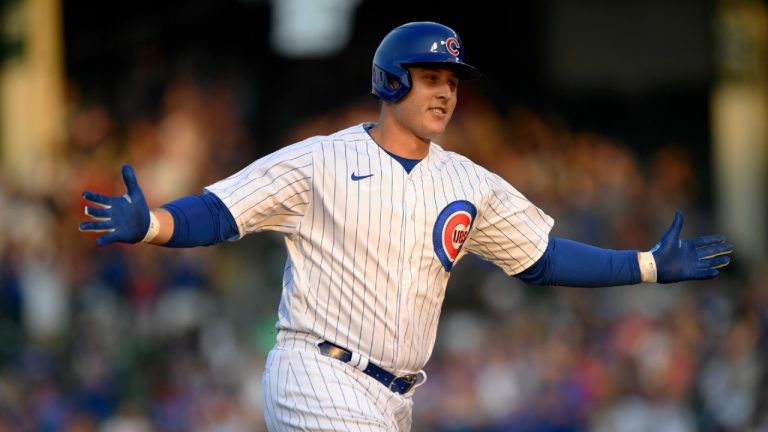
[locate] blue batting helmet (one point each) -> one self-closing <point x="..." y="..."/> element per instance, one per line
<point x="415" y="43"/>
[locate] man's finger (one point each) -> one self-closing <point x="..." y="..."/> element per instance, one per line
<point x="708" y="240"/>
<point x="720" y="262"/>
<point x="98" y="213"/>
<point x="714" y="250"/>
<point x="716" y="262"/>
<point x="677" y="224"/>
<point x="106" y="239"/>
<point x="99" y="226"/>
<point x="129" y="177"/>
<point x="707" y="273"/>
<point x="673" y="233"/>
<point x="97" y="199"/>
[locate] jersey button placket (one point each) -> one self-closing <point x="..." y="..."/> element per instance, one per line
<point x="410" y="208"/>
<point x="411" y="231"/>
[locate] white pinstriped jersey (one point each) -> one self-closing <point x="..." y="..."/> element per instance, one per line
<point x="370" y="247"/>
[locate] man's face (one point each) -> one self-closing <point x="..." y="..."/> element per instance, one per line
<point x="428" y="106"/>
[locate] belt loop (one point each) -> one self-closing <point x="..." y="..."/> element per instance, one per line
<point x="420" y="382"/>
<point x="358" y="361"/>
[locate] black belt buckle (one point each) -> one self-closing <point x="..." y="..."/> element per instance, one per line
<point x="403" y="384"/>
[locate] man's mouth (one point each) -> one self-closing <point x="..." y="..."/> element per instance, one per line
<point x="438" y="110"/>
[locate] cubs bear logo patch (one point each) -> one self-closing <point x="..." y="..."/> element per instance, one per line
<point x="451" y="231"/>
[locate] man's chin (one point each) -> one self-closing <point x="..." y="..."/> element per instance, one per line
<point x="433" y="132"/>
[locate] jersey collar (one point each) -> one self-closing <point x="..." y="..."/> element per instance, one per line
<point x="421" y="169"/>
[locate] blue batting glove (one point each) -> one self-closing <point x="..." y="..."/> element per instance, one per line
<point x="699" y="258"/>
<point x="123" y="219"/>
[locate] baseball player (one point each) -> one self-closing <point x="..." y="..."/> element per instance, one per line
<point x="375" y="217"/>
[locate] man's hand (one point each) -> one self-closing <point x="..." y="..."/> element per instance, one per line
<point x="699" y="258"/>
<point x="123" y="219"/>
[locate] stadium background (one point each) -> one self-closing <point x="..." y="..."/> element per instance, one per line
<point x="607" y="114"/>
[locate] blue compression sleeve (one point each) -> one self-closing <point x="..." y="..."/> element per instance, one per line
<point x="200" y="220"/>
<point x="570" y="263"/>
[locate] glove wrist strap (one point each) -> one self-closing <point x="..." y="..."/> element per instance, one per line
<point x="647" y="267"/>
<point x="154" y="228"/>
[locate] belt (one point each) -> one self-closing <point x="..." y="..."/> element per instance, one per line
<point x="396" y="384"/>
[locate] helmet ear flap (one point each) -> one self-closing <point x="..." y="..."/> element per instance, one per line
<point x="389" y="87"/>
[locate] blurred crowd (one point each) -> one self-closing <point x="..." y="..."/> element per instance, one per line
<point x="138" y="338"/>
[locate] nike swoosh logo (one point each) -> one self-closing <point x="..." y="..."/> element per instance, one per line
<point x="356" y="177"/>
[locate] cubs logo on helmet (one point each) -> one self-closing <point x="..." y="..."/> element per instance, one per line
<point x="452" y="45"/>
<point x="451" y="231"/>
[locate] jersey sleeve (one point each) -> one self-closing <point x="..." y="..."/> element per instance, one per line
<point x="272" y="193"/>
<point x="510" y="231"/>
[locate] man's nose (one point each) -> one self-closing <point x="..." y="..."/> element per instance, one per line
<point x="444" y="91"/>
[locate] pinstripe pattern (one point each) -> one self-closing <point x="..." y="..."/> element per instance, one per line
<point x="362" y="270"/>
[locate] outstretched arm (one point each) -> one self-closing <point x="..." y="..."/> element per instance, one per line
<point x="570" y="263"/>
